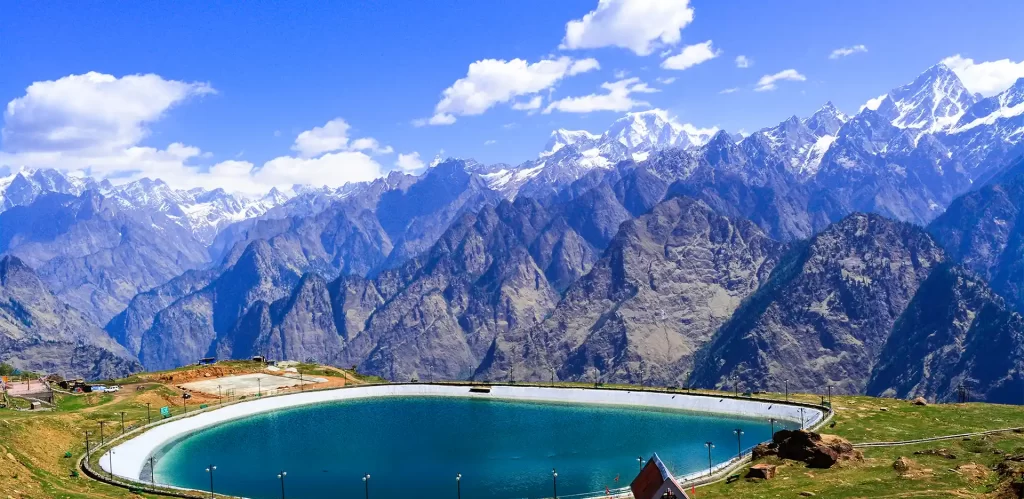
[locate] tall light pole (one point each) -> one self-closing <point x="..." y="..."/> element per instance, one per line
<point x="122" y="422"/>
<point x="787" y="390"/>
<point x="554" y="482"/>
<point x="366" y="484"/>
<point x="152" y="471"/>
<point x="220" y="395"/>
<point x="772" y="421"/>
<point x="739" y="444"/>
<point x="512" y="366"/>
<point x="458" y="485"/>
<point x="640" y="461"/>
<point x="281" y="476"/>
<point x="210" y="469"/>
<point x="710" y="446"/>
<point x="110" y="457"/>
<point x="259" y="387"/>
<point x="102" y="441"/>
<point x="801" y="418"/>
<point x="87" y="444"/>
<point x="149" y="416"/>
<point x="830" y="395"/>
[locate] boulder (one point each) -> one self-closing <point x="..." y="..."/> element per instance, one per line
<point x="818" y="451"/>
<point x="763" y="450"/>
<point x="763" y="471"/>
<point x="902" y="465"/>
<point x="919" y="401"/>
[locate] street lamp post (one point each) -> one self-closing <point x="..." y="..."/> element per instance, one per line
<point x="102" y="441"/>
<point x="149" y="417"/>
<point x="87" y="443"/>
<point x="710" y="446"/>
<point x="554" y="482"/>
<point x="220" y="395"/>
<point x="110" y="457"/>
<point x="801" y="418"/>
<point x="210" y="470"/>
<point x="366" y="484"/>
<point x="772" y="421"/>
<point x="184" y="402"/>
<point x="640" y="462"/>
<point x="152" y="471"/>
<point x="739" y="443"/>
<point x="122" y="422"/>
<point x="787" y="390"/>
<point x="458" y="485"/>
<point x="281" y="476"/>
<point x="259" y="387"/>
<point x="829" y="394"/>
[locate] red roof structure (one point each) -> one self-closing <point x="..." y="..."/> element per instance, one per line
<point x="655" y="482"/>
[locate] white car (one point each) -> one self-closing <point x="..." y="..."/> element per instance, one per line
<point x="113" y="389"/>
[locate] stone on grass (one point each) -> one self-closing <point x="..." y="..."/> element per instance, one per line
<point x="763" y="471"/>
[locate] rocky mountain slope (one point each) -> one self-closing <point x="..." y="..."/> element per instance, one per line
<point x="40" y="333"/>
<point x="984" y="229"/>
<point x="92" y="254"/>
<point x="825" y="314"/>
<point x="955" y="334"/>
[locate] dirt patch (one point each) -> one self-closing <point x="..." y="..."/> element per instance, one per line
<point x="973" y="471"/>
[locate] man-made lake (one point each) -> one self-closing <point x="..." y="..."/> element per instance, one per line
<point x="415" y="447"/>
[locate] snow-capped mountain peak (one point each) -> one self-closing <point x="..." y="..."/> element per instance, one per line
<point x="827" y="120"/>
<point x="933" y="102"/>
<point x="562" y="137"/>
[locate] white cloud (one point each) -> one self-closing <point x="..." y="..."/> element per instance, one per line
<point x="767" y="82"/>
<point x="410" y="163"/>
<point x="530" y="105"/>
<point x="743" y="62"/>
<point x="620" y="74"/>
<point x="94" y="123"/>
<point x="666" y="81"/>
<point x="490" y="142"/>
<point x="437" y="119"/>
<point x="637" y="25"/>
<point x="91" y="111"/>
<point x="729" y="90"/>
<point x="494" y="81"/>
<point x="618" y="98"/>
<point x="333" y="136"/>
<point x="690" y="56"/>
<point x="873" y="104"/>
<point x="845" y="51"/>
<point x="986" y="78"/>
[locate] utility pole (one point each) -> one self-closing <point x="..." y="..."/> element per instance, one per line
<point x="87" y="449"/>
<point x="710" y="446"/>
<point x="122" y="422"/>
<point x="102" y="440"/>
<point x="149" y="416"/>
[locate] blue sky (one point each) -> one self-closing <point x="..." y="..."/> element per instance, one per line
<point x="263" y="73"/>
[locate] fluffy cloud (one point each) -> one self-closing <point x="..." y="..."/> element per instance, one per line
<point x="410" y="163"/>
<point x="637" y="25"/>
<point x="490" y="142"/>
<point x="690" y="56"/>
<point x="333" y="136"/>
<point x="986" y="78"/>
<point x="94" y="123"/>
<point x="91" y="111"/>
<point x="494" y="81"/>
<point x="767" y="82"/>
<point x="845" y="51"/>
<point x="530" y="105"/>
<point x="618" y="98"/>
<point x="666" y="81"/>
<point x="729" y="90"/>
<point x="873" y="104"/>
<point x="743" y="62"/>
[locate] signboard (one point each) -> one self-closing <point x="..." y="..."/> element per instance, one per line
<point x="165" y="412"/>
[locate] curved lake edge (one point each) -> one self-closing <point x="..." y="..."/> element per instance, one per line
<point x="132" y="455"/>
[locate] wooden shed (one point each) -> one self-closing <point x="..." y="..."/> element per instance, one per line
<point x="655" y="482"/>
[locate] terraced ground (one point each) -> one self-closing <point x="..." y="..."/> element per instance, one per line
<point x="33" y="445"/>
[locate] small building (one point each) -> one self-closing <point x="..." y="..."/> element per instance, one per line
<point x="205" y="361"/>
<point x="655" y="482"/>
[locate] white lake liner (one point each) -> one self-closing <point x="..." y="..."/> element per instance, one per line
<point x="131" y="457"/>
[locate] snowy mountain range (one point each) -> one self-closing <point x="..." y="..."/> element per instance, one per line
<point x="932" y="129"/>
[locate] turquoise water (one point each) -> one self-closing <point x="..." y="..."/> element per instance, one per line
<point x="414" y="447"/>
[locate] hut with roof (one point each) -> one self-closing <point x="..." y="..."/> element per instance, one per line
<point x="655" y="482"/>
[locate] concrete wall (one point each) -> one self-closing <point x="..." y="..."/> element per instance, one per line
<point x="130" y="457"/>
